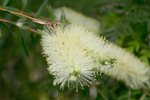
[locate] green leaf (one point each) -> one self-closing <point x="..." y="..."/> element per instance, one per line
<point x="63" y="20"/>
<point x="6" y="2"/>
<point x="0" y="32"/>
<point x="24" y="3"/>
<point x="51" y="13"/>
<point x="41" y="8"/>
<point x="24" y="46"/>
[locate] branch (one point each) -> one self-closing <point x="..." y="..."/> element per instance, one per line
<point x="48" y="23"/>
<point x="39" y="21"/>
<point x="22" y="27"/>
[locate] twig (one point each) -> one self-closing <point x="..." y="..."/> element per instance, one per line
<point x="48" y="23"/>
<point x="39" y="21"/>
<point x="23" y="27"/>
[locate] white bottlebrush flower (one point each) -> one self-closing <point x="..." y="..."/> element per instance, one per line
<point x="75" y="55"/>
<point x="77" y="18"/>
<point x="128" y="68"/>
<point x="71" y="61"/>
<point x="67" y="61"/>
<point x="94" y="46"/>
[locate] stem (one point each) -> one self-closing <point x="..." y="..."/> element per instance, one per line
<point x="39" y="21"/>
<point x="23" y="27"/>
<point x="48" y="23"/>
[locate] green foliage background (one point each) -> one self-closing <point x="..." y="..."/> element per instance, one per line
<point x="23" y="70"/>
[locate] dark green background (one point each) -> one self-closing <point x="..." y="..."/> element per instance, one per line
<point x="23" y="69"/>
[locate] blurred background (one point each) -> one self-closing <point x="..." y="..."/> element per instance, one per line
<point x="23" y="69"/>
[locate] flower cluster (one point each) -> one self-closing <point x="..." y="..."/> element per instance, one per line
<point x="76" y="56"/>
<point x="73" y="55"/>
